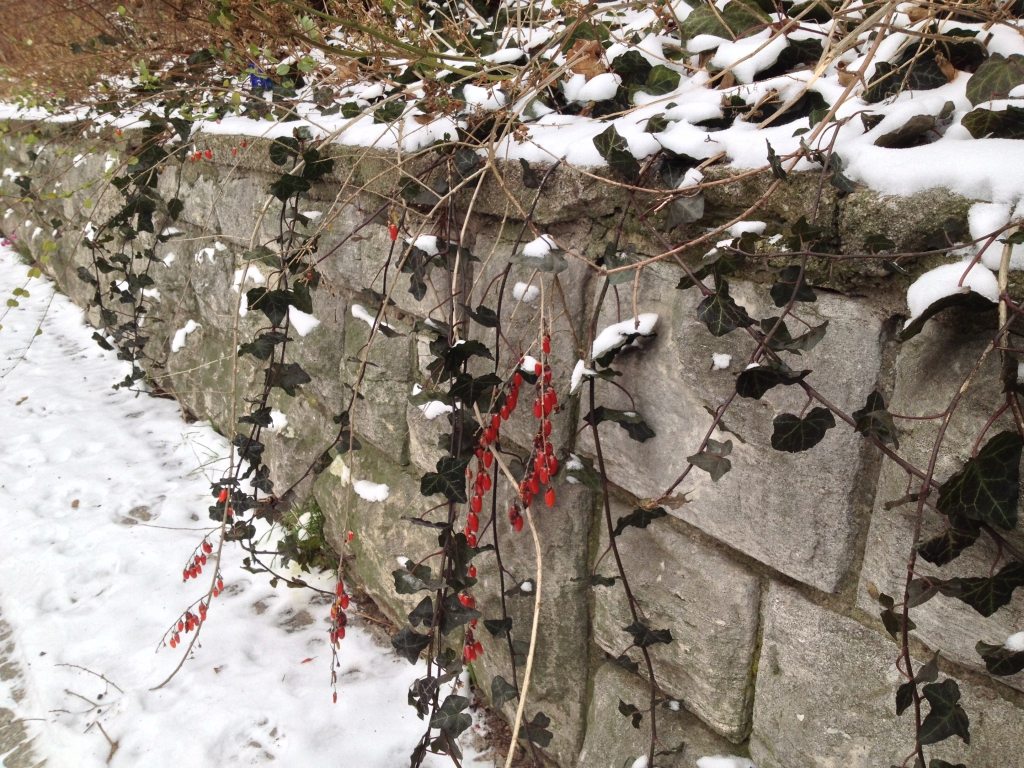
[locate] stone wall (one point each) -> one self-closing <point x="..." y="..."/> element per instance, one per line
<point x="764" y="578"/>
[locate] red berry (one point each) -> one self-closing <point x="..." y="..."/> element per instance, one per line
<point x="549" y="497"/>
<point x="350" y="535"/>
<point x="207" y="547"/>
<point x="234" y="151"/>
<point x="208" y="154"/>
<point x="537" y="409"/>
<point x="472" y="523"/>
<point x="393" y="232"/>
<point x="517" y="379"/>
<point x="488" y="459"/>
<point x="244" y="143"/>
<point x="223" y="495"/>
<point x="538" y="369"/>
<point x="546" y="345"/>
<point x="476" y="504"/>
<point x="343" y="601"/>
<point x="471" y="571"/>
<point x="552" y="466"/>
<point x="518" y="524"/>
<point x="471" y="539"/>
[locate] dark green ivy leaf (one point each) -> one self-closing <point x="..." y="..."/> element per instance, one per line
<point x="630" y="421"/>
<point x="455" y="614"/>
<point x="904" y="697"/>
<point x="721" y="314"/>
<point x="273" y="304"/>
<point x="644" y="636"/>
<point x="995" y="123"/>
<point x="614" y="149"/>
<point x="629" y="710"/>
<point x="970" y="301"/>
<point x="995" y="78"/>
<point x="501" y="691"/>
<point x="450" y="717"/>
<point x="498" y="627"/>
<point x="948" y="545"/>
<point x="661" y="80"/>
<point x="485" y="316"/>
<point x="713" y="459"/>
<point x="409" y="644"/>
<point x="262" y="347"/>
<point x="260" y="417"/>
<point x="999" y="660"/>
<point x="537" y="730"/>
<point x="987" y="487"/>
<point x="946" y="718"/>
<point x="284" y="150"/>
<point x="793" y="434"/>
<point x="873" y="420"/>
<point x="638" y="518"/>
<point x="937" y="763"/>
<point x="791" y="286"/>
<point x="288" y="185"/>
<point x="754" y="382"/>
<point x="423" y="613"/>
<point x="986" y="594"/>
<point x="287" y="376"/>
<point x="449" y="480"/>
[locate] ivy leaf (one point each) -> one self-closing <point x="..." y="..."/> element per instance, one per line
<point x="262" y="347"/>
<point x="450" y="717"/>
<point x="410" y="582"/>
<point x="721" y="314"/>
<point x="793" y="434"/>
<point x="969" y="300"/>
<point x="904" y="697"/>
<point x="484" y="316"/>
<point x="273" y="304"/>
<point x="738" y="17"/>
<point x="630" y="421"/>
<point x="499" y="627"/>
<point x="1000" y="660"/>
<point x="288" y="185"/>
<point x="754" y="382"/>
<point x="260" y="417"/>
<point x="638" y="518"/>
<point x="474" y="389"/>
<point x="537" y="730"/>
<point x="632" y="67"/>
<point x="501" y="691"/>
<point x="948" y="545"/>
<point x="937" y="763"/>
<point x="986" y="594"/>
<point x="644" y="636"/>
<point x="661" y="80"/>
<point x="713" y="459"/>
<point x="597" y="580"/>
<point x="791" y="286"/>
<point x="409" y="644"/>
<point x="873" y="420"/>
<point x="995" y="78"/>
<point x="449" y="480"/>
<point x="987" y="487"/>
<point x="614" y="149"/>
<point x="995" y="123"/>
<point x="454" y="614"/>
<point x="287" y="376"/>
<point x="629" y="710"/>
<point x="423" y="613"/>
<point x="946" y="718"/>
<point x="284" y="150"/>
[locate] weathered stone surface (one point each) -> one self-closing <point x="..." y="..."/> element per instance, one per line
<point x="760" y="507"/>
<point x="826" y="691"/>
<point x="381" y="534"/>
<point x="930" y="369"/>
<point x="707" y="601"/>
<point x="612" y="741"/>
<point x="560" y="672"/>
<point x="935" y="218"/>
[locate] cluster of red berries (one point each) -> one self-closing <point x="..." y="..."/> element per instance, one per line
<point x="472" y="649"/>
<point x="207" y="154"/>
<point x="195" y="567"/>
<point x="190" y="621"/>
<point x="339" y="619"/>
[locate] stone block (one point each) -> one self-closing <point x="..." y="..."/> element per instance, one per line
<point x="708" y="602"/>
<point x="382" y="534"/>
<point x="560" y="672"/>
<point x="930" y="369"/>
<point x="761" y="506"/>
<point x="612" y="741"/>
<point x="826" y="698"/>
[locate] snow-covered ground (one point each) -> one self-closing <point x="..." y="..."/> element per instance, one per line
<point x="103" y="496"/>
